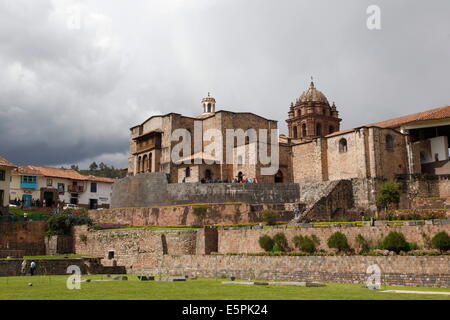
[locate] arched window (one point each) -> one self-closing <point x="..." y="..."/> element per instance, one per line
<point x="209" y="107"/>
<point x="343" y="145"/>
<point x="390" y="142"/>
<point x="150" y="162"/>
<point x="145" y="164"/>
<point x="295" y="133"/>
<point x="240" y="160"/>
<point x="304" y="130"/>
<point x="318" y="129"/>
<point x="330" y="129"/>
<point x="139" y="165"/>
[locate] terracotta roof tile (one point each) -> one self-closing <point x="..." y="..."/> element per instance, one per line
<point x="59" y="173"/>
<point x="433" y="114"/>
<point x="5" y="163"/>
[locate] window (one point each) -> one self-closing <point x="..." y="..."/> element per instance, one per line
<point x="49" y="182"/>
<point x="343" y="146"/>
<point x="2" y="175"/>
<point x="331" y="129"/>
<point x="110" y="255"/>
<point x="304" y="130"/>
<point x="93" y="187"/>
<point x="318" y="129"/>
<point x="2" y="195"/>
<point x="61" y="187"/>
<point x="29" y="179"/>
<point x="295" y="133"/>
<point x="389" y="142"/>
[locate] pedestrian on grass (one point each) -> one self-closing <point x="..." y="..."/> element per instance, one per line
<point x="32" y="268"/>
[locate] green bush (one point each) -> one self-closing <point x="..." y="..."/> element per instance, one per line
<point x="363" y="244"/>
<point x="395" y="241"/>
<point x="277" y="248"/>
<point x="280" y="242"/>
<point x="338" y="241"/>
<point x="266" y="243"/>
<point x="269" y="217"/>
<point x="306" y="243"/>
<point x="61" y="224"/>
<point x="389" y="193"/>
<point x="441" y="241"/>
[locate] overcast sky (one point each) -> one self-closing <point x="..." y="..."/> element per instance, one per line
<point x="71" y="86"/>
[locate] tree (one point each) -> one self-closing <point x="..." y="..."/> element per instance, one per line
<point x="266" y="242"/>
<point x="395" y="241"/>
<point x="388" y="193"/>
<point x="74" y="167"/>
<point x="441" y="241"/>
<point x="338" y="241"/>
<point x="93" y="166"/>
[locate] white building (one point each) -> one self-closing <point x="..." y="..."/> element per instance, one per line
<point x="33" y="185"/>
<point x="5" y="181"/>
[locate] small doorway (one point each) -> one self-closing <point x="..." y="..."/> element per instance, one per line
<point x="240" y="176"/>
<point x="48" y="197"/>
<point x="26" y="200"/>
<point x="279" y="177"/>
<point x="93" y="204"/>
<point x="208" y="174"/>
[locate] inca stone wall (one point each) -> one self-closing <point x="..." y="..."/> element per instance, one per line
<point x="146" y="190"/>
<point x="183" y="215"/>
<point x="230" y="241"/>
<point x="133" y="248"/>
<point x="397" y="270"/>
<point x="12" y="268"/>
<point x="26" y="237"/>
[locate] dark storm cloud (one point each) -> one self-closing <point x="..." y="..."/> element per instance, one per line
<point x="70" y="96"/>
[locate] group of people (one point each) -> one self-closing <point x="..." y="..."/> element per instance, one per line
<point x="36" y="203"/>
<point x="32" y="268"/>
<point x="254" y="180"/>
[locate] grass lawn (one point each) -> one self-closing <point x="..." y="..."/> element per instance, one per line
<point x="54" y="288"/>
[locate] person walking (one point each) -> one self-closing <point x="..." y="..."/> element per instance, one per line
<point x="32" y="268"/>
<point x="24" y="268"/>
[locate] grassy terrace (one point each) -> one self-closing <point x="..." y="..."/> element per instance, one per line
<point x="54" y="288"/>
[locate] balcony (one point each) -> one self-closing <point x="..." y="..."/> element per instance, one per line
<point x="75" y="189"/>
<point x="29" y="185"/>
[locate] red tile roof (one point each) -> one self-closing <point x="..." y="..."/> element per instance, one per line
<point x="59" y="173"/>
<point x="433" y="114"/>
<point x="6" y="163"/>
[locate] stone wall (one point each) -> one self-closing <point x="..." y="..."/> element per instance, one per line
<point x="232" y="241"/>
<point x="133" y="248"/>
<point x="153" y="189"/>
<point x="12" y="268"/>
<point x="397" y="270"/>
<point x="27" y="237"/>
<point x="183" y="215"/>
<point x="59" y="245"/>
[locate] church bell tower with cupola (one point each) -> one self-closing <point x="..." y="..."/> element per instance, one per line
<point x="311" y="116"/>
<point x="208" y="105"/>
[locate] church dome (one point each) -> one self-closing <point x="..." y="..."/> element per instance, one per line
<point x="312" y="95"/>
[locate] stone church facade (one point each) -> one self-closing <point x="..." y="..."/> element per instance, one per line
<point x="315" y="149"/>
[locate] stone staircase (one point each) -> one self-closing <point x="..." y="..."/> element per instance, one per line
<point x="323" y="200"/>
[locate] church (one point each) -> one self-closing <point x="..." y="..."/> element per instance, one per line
<point x="314" y="150"/>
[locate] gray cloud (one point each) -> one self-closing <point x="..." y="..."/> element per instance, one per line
<point x="70" y="96"/>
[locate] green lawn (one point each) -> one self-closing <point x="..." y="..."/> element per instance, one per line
<point x="54" y="288"/>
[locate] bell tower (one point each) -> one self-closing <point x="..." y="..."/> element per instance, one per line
<point x="209" y="105"/>
<point x="312" y="116"/>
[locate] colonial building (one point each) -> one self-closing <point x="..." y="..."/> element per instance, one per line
<point x="315" y="149"/>
<point x="34" y="184"/>
<point x="5" y="181"/>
